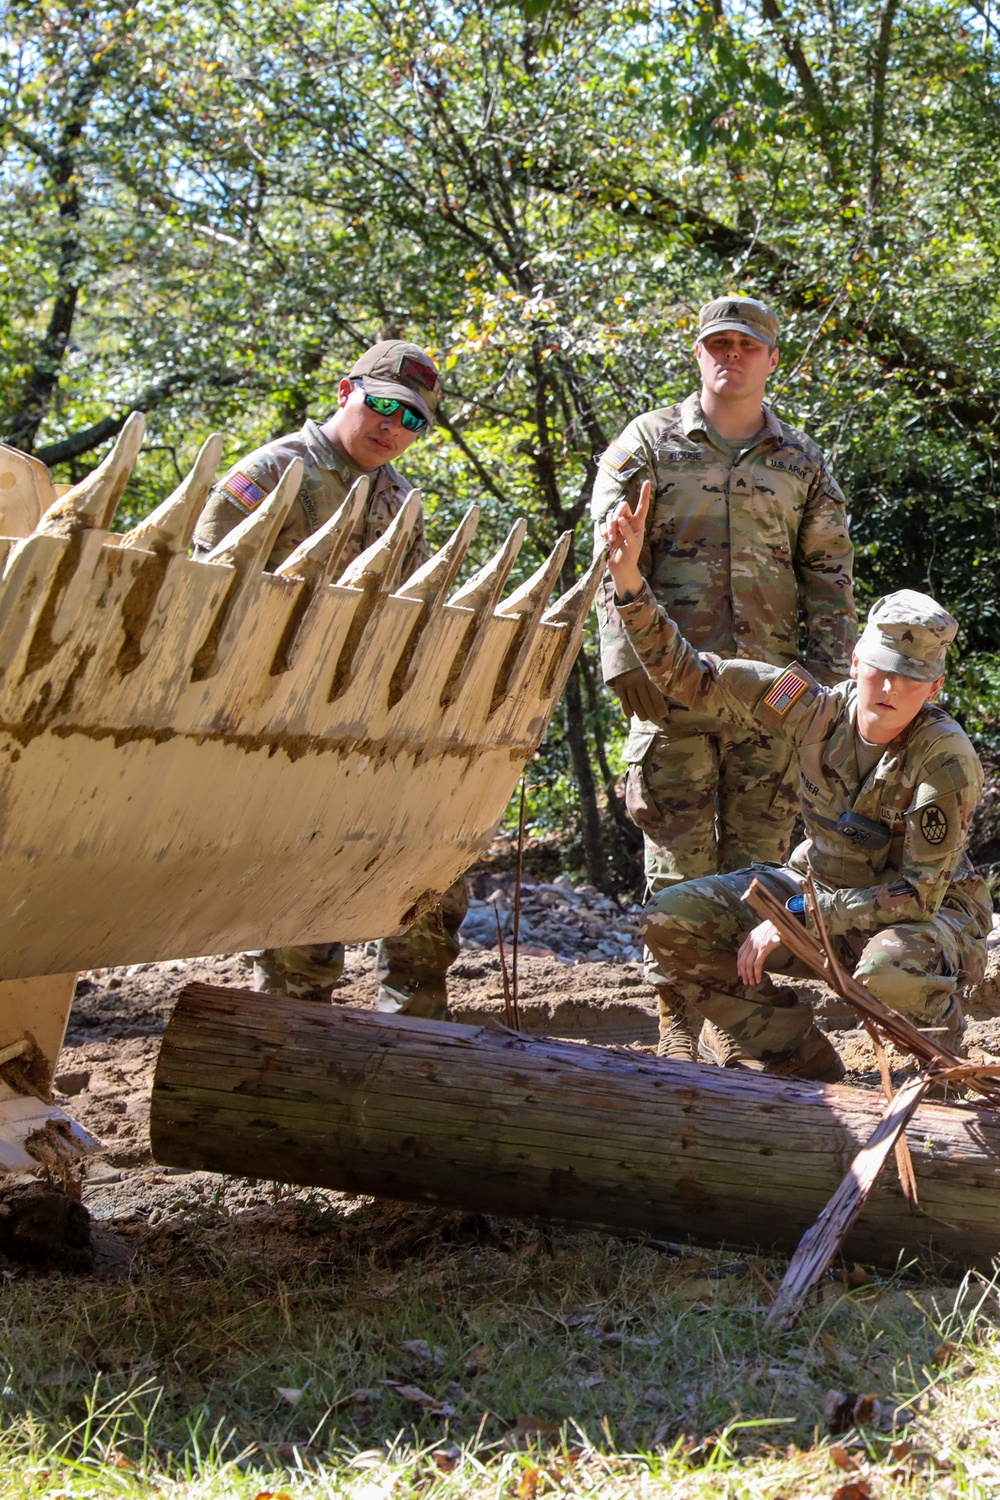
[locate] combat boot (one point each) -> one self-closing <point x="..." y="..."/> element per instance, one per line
<point x="718" y="1047"/>
<point x="814" y="1058"/>
<point x="677" y="1039"/>
<point x="950" y="1030"/>
<point x="426" y="998"/>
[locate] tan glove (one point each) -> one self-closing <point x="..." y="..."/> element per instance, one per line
<point x="638" y="696"/>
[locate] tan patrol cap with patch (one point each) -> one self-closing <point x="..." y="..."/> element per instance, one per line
<point x="908" y="633"/>
<point x="401" y="370"/>
<point x="741" y="315"/>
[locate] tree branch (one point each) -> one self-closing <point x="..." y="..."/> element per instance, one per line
<point x="88" y="438"/>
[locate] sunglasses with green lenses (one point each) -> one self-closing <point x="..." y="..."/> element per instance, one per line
<point x="387" y="405"/>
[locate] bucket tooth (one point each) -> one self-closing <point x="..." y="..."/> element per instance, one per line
<point x="569" y="612"/>
<point x="533" y="593"/>
<point x="314" y="563"/>
<point x="248" y="547"/>
<point x="245" y="550"/>
<point x="485" y="587"/>
<point x="169" y="527"/>
<point x="571" y="608"/>
<point x="429" y="585"/>
<point x="91" y="504"/>
<point x="480" y="596"/>
<point x="26" y="492"/>
<point x="374" y="574"/>
<point x="526" y="604"/>
<point x="432" y="581"/>
<point x="378" y="567"/>
<point x="315" y="560"/>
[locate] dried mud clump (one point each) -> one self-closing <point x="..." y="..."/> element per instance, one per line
<point x="44" y="1227"/>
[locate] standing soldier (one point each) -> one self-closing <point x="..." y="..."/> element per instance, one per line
<point x="747" y="536"/>
<point x="889" y="784"/>
<point x="383" y="403"/>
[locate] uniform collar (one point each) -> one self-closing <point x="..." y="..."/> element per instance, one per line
<point x="327" y="455"/>
<point x="693" y="419"/>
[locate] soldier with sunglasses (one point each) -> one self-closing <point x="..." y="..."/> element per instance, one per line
<point x="384" y="402"/>
<point x="386" y="399"/>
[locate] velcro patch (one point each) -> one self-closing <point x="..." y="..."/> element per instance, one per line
<point x="934" y="823"/>
<point x="244" y="491"/>
<point x="787" y="690"/>
<point x="415" y="369"/>
<point x="616" y="458"/>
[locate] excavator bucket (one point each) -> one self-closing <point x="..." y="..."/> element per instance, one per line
<point x="198" y="756"/>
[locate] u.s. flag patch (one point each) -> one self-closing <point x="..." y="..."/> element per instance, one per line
<point x="783" y="693"/>
<point x="243" y="489"/>
<point x="616" y="458"/>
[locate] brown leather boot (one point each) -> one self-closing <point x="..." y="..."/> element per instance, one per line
<point x="718" y="1047"/>
<point x="814" y="1058"/>
<point x="677" y="1040"/>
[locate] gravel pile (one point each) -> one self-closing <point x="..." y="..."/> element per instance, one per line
<point x="576" y="924"/>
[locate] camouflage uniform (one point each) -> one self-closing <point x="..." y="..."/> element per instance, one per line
<point x="909" y="918"/>
<point x="411" y="968"/>
<point x="733" y="547"/>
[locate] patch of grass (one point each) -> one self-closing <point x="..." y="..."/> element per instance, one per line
<point x="315" y="1347"/>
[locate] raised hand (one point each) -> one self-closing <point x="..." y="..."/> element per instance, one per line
<point x="624" y="531"/>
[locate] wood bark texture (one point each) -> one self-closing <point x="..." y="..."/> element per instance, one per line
<point x="490" y="1121"/>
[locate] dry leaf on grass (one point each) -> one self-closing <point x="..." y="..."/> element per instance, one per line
<point x="830" y="1351"/>
<point x="289" y="1393"/>
<point x="477" y="1359"/>
<point x="422" y="1350"/>
<point x="843" y="1458"/>
<point x="846" y="1409"/>
<point x="417" y="1397"/>
<point x="535" y="1426"/>
<point x="854" y="1276"/>
<point x="536" y="1480"/>
<point x="858" y="1489"/>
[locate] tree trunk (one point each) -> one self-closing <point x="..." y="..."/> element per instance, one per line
<point x="590" y="819"/>
<point x="491" y="1121"/>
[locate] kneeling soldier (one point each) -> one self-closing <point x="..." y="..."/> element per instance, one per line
<point x="888" y="786"/>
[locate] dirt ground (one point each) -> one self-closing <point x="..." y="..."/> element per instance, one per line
<point x="568" y="987"/>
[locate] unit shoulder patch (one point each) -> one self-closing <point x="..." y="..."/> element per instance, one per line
<point x="934" y="823"/>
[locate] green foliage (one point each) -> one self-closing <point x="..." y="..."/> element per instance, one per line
<point x="224" y="203"/>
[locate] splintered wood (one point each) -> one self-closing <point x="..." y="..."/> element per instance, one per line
<point x="822" y="1242"/>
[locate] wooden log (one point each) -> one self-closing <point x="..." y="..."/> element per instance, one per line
<point x="493" y="1121"/>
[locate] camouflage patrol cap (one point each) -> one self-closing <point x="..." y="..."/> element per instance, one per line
<point x="405" y="371"/>
<point x="741" y="315"/>
<point x="908" y="633"/>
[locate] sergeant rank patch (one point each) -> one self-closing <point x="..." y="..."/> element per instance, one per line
<point x="933" y="824"/>
<point x="787" y="690"/>
<point x="243" y="490"/>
